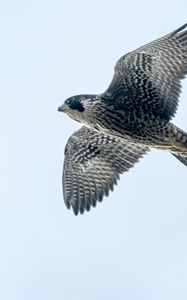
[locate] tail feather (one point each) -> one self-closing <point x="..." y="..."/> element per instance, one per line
<point x="180" y="146"/>
<point x="183" y="159"/>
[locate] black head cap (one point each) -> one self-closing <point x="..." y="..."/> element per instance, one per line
<point x="75" y="103"/>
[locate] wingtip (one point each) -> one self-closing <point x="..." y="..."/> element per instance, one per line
<point x="75" y="210"/>
<point x="179" y="29"/>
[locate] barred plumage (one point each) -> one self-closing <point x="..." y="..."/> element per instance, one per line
<point x="121" y="124"/>
<point x="93" y="163"/>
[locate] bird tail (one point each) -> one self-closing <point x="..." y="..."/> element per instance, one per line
<point x="183" y="159"/>
<point x="179" y="149"/>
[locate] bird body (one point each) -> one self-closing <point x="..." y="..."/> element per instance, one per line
<point x="123" y="123"/>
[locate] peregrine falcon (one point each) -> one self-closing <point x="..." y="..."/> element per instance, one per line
<point x="123" y="123"/>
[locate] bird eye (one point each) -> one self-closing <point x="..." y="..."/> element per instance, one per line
<point x="67" y="101"/>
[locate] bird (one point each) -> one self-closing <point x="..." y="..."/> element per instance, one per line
<point x="125" y="122"/>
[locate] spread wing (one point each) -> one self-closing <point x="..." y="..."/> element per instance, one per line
<point x="92" y="164"/>
<point x="147" y="80"/>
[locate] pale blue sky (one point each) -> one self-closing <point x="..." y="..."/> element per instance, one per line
<point x="133" y="245"/>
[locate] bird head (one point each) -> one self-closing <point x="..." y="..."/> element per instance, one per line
<point x="78" y="107"/>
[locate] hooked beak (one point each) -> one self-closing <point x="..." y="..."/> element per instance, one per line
<point x="62" y="108"/>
